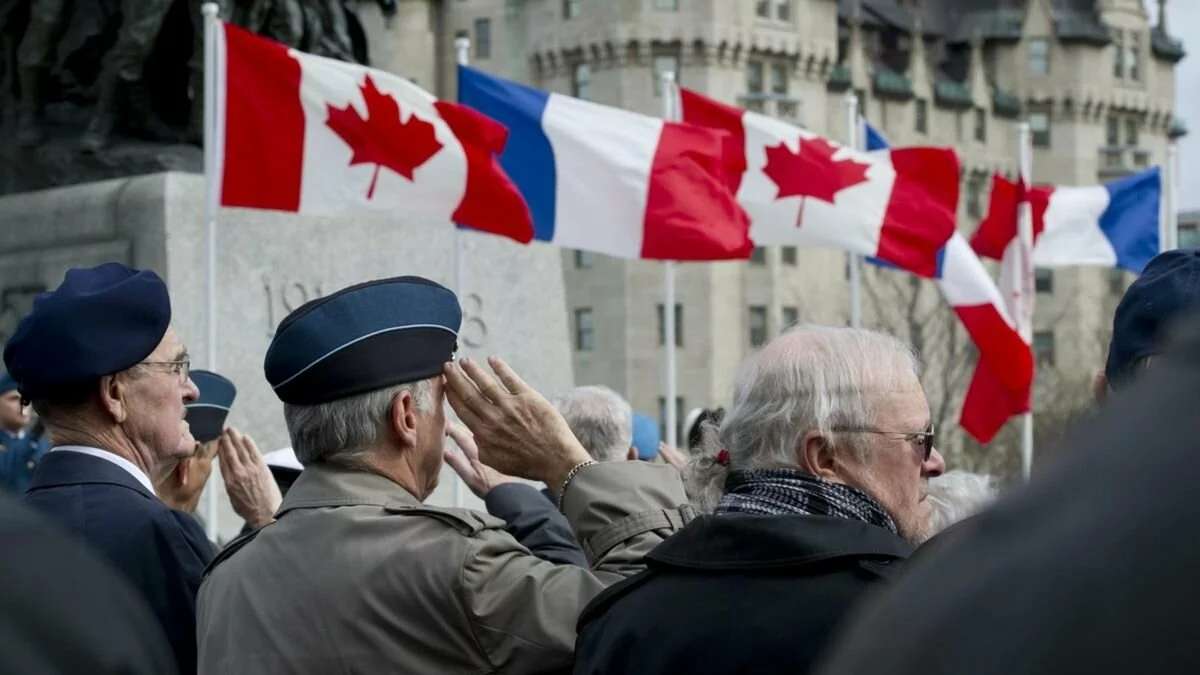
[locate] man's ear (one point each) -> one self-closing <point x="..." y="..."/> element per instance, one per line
<point x="1100" y="387"/>
<point x="404" y="417"/>
<point x="816" y="456"/>
<point x="113" y="390"/>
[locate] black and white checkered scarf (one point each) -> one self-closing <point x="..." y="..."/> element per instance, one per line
<point x="772" y="492"/>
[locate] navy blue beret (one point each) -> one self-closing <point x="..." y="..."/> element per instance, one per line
<point x="363" y="338"/>
<point x="206" y="415"/>
<point x="99" y="321"/>
<point x="7" y="383"/>
<point x="1167" y="290"/>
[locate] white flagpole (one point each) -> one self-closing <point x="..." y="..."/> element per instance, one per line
<point x="209" y="11"/>
<point x="854" y="129"/>
<point x="1024" y="312"/>
<point x="462" y="55"/>
<point x="670" y="114"/>
<point x="1170" y="230"/>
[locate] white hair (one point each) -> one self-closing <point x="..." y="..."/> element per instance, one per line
<point x="339" y="431"/>
<point x="956" y="495"/>
<point x="811" y="378"/>
<point x="601" y="419"/>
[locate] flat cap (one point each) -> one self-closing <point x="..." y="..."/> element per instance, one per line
<point x="206" y="415"/>
<point x="1167" y="290"/>
<point x="363" y="338"/>
<point x="7" y="383"/>
<point x="99" y="321"/>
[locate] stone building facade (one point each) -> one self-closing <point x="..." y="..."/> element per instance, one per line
<point x="1093" y="77"/>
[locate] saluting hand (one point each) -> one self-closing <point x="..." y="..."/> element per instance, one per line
<point x="516" y="429"/>
<point x="481" y="478"/>
<point x="252" y="489"/>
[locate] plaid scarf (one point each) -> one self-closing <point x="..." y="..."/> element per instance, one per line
<point x="773" y="492"/>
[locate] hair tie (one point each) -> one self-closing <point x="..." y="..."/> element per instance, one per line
<point x="723" y="457"/>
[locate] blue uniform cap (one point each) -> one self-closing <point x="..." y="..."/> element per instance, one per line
<point x="7" y="383"/>
<point x="99" y="321"/>
<point x="206" y="415"/>
<point x="1167" y="290"/>
<point x="645" y="436"/>
<point x="363" y="338"/>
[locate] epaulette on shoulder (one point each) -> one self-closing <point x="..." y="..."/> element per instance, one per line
<point x="465" y="521"/>
<point x="231" y="548"/>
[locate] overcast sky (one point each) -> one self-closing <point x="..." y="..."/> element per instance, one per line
<point x="1183" y="22"/>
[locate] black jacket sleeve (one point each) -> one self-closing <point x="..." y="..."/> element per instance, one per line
<point x="536" y="523"/>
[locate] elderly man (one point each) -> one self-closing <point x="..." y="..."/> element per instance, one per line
<point x="109" y="378"/>
<point x="601" y="419"/>
<point x="824" y="457"/>
<point x="20" y="448"/>
<point x="358" y="574"/>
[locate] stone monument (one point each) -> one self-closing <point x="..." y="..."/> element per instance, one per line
<point x="268" y="263"/>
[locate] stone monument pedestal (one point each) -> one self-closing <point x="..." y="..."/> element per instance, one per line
<point x="269" y="263"/>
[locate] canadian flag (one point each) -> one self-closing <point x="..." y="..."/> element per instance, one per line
<point x="311" y="135"/>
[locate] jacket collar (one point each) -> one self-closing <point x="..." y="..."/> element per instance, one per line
<point x="322" y="485"/>
<point x="74" y="468"/>
<point x="745" y="542"/>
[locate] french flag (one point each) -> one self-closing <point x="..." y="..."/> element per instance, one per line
<point x="1002" y="384"/>
<point x="1111" y="225"/>
<point x="607" y="180"/>
<point x="802" y="189"/>
<point x="315" y="136"/>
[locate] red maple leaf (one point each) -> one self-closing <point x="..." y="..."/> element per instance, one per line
<point x="382" y="139"/>
<point x="812" y="172"/>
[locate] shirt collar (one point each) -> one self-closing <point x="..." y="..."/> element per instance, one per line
<point x="120" y="461"/>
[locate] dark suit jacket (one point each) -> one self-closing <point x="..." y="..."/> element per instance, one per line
<point x="536" y="523"/>
<point x="63" y="609"/>
<point x="163" y="552"/>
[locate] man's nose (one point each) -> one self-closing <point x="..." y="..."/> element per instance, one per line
<point x="190" y="391"/>
<point x="934" y="466"/>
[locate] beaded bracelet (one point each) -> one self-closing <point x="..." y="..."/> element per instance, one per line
<point x="571" y="476"/>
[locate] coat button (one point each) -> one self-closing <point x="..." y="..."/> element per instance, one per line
<point x="30" y="464"/>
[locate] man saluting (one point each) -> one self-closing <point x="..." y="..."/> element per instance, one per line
<point x="109" y="379"/>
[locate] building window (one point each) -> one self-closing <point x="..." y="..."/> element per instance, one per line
<point x="679" y="415"/>
<point x="662" y="325"/>
<point x="584" y="259"/>
<point x="788" y="316"/>
<point x="981" y="125"/>
<point x="1131" y="132"/>
<point x="1039" y="56"/>
<point x="758" y="256"/>
<point x="1043" y="347"/>
<point x="1039" y="124"/>
<point x="860" y="95"/>
<point x="1116" y="281"/>
<point x="779" y="79"/>
<point x="783" y="10"/>
<point x="787" y="255"/>
<point x="1135" y="57"/>
<point x="581" y="81"/>
<point x="585" y="338"/>
<point x="788" y="110"/>
<point x="571" y="8"/>
<point x="1112" y="131"/>
<point x="758" y="325"/>
<point x="667" y="5"/>
<point x="664" y="64"/>
<point x="754" y="77"/>
<point x="921" y="122"/>
<point x="974" y="207"/>
<point x="1043" y="280"/>
<point x="1189" y="235"/>
<point x="1118" y="54"/>
<point x="762" y="8"/>
<point x="483" y="38"/>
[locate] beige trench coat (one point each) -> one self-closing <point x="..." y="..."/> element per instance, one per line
<point x="357" y="576"/>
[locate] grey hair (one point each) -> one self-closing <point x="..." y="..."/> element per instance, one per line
<point x="341" y="430"/>
<point x="956" y="495"/>
<point x="601" y="419"/>
<point x="810" y="379"/>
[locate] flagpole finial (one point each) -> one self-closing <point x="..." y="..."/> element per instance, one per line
<point x="210" y="9"/>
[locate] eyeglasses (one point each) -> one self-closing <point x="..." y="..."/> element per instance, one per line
<point x="923" y="438"/>
<point x="181" y="368"/>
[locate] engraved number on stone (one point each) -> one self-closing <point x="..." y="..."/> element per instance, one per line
<point x="474" y="328"/>
<point x="285" y="297"/>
